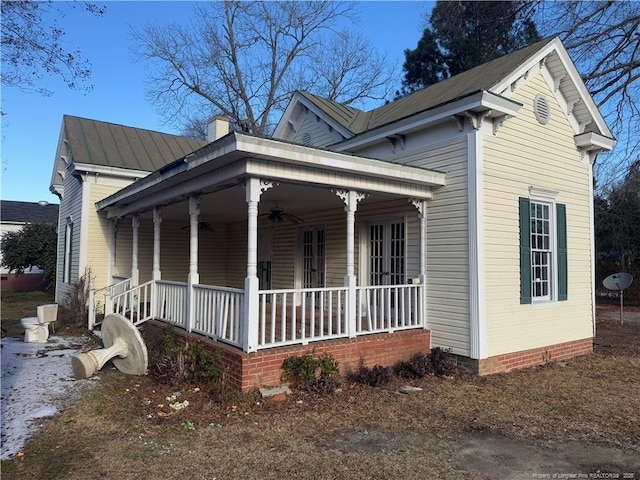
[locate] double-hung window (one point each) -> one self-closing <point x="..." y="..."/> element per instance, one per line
<point x="543" y="250"/>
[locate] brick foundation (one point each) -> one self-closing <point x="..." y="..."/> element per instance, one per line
<point x="249" y="370"/>
<point x="526" y="358"/>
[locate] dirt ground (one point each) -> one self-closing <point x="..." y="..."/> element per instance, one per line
<point x="573" y="419"/>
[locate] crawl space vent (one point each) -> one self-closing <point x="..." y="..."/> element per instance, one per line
<point x="541" y="109"/>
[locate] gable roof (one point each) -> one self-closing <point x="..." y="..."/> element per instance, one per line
<point x="28" y="212"/>
<point x="482" y="77"/>
<point x="107" y="144"/>
<point x="494" y="76"/>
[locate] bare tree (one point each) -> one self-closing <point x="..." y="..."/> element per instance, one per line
<point x="603" y="39"/>
<point x="244" y="59"/>
<point x="32" y="49"/>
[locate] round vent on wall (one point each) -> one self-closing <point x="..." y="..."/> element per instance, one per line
<point x="541" y="109"/>
<point x="306" y="138"/>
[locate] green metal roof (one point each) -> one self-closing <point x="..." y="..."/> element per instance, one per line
<point x="482" y="77"/>
<point x="108" y="144"/>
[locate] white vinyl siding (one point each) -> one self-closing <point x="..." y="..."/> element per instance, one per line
<point x="447" y="245"/>
<point x="442" y="148"/>
<point x="70" y="211"/>
<point x="526" y="154"/>
<point x="313" y="132"/>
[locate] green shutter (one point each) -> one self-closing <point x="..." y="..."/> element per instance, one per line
<point x="561" y="222"/>
<point x="525" y="250"/>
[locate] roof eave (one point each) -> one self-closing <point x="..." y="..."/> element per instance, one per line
<point x="476" y="102"/>
<point x="591" y="141"/>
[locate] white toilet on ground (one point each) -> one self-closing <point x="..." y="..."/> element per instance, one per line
<point x="36" y="329"/>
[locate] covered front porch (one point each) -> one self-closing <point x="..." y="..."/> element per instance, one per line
<point x="260" y="244"/>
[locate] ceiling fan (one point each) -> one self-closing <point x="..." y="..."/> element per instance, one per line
<point x="277" y="215"/>
<point x="202" y="226"/>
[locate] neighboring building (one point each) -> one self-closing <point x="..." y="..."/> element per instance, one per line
<point x="460" y="216"/>
<point x="13" y="216"/>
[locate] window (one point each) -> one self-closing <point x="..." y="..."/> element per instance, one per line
<point x="68" y="250"/>
<point x="543" y="251"/>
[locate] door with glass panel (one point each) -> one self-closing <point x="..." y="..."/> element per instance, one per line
<point x="313" y="262"/>
<point x="387" y="253"/>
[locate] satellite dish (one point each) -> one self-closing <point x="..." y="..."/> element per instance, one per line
<point x="619" y="281"/>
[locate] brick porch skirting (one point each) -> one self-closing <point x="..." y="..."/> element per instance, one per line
<point x="245" y="371"/>
<point x="527" y="358"/>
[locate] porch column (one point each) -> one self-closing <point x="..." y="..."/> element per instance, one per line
<point x="194" y="277"/>
<point x="157" y="221"/>
<point x="254" y="188"/>
<point x="111" y="264"/>
<point x="135" y="272"/>
<point x="421" y="206"/>
<point x="351" y="199"/>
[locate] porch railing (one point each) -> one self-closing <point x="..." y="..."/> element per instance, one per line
<point x="218" y="313"/>
<point x="136" y="303"/>
<point x="101" y="300"/>
<point x="387" y="308"/>
<point x="285" y="316"/>
<point x="300" y="316"/>
<point x="171" y="302"/>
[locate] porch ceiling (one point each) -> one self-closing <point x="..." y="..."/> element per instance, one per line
<point x="301" y="174"/>
<point x="229" y="205"/>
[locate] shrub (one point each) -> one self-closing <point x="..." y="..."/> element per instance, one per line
<point x="376" y="376"/>
<point x="444" y="363"/>
<point x="439" y="362"/>
<point x="190" y="362"/>
<point x="308" y="372"/>
<point x="74" y="309"/>
<point x="418" y="366"/>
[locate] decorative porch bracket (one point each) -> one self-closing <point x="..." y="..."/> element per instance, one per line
<point x="351" y="198"/>
<point x="254" y="188"/>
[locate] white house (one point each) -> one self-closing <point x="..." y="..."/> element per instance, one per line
<point x="460" y="216"/>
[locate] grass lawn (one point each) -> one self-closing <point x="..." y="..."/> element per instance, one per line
<point x="575" y="417"/>
<point x="15" y="306"/>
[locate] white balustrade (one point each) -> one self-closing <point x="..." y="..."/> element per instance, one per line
<point x="285" y="316"/>
<point x="386" y="308"/>
<point x="218" y="312"/>
<point x="300" y="316"/>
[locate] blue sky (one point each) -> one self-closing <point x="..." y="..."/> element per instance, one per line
<point x="31" y="126"/>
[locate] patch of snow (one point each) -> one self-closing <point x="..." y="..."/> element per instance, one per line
<point x="37" y="381"/>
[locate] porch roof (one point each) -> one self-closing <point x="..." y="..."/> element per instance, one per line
<point x="228" y="161"/>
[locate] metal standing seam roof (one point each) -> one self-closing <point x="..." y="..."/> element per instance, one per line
<point x="108" y="144"/>
<point x="28" y="212"/>
<point x="482" y="77"/>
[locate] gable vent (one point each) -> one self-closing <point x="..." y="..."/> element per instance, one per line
<point x="541" y="109"/>
<point x="306" y="138"/>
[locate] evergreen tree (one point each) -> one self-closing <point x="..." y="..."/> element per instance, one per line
<point x="464" y="34"/>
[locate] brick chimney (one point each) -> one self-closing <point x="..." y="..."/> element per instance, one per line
<point x="217" y="127"/>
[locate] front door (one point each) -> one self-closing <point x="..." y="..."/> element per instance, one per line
<point x="313" y="258"/>
<point x="386" y="253"/>
<point x="386" y="265"/>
